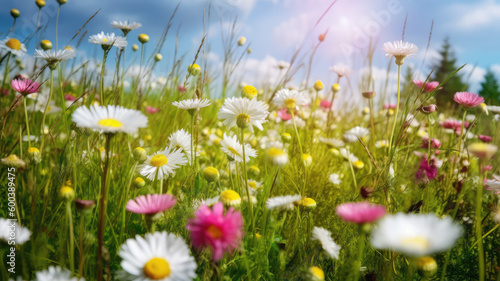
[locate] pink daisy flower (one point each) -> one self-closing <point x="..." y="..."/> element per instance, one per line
<point x="453" y="124"/>
<point x="389" y="106"/>
<point x="212" y="229"/>
<point x="325" y="104"/>
<point x="467" y="99"/>
<point x="69" y="98"/>
<point x="429" y="87"/>
<point x="360" y="212"/>
<point x="151" y="204"/>
<point x="25" y="86"/>
<point x="434" y="143"/>
<point x="484" y="138"/>
<point x="428" y="169"/>
<point x="284" y="115"/>
<point x="151" y="110"/>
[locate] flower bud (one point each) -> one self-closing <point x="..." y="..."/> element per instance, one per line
<point x="335" y="88"/>
<point x="138" y="182"/>
<point x="34" y="155"/>
<point x="428" y="109"/>
<point x="14" y="161"/>
<point x="427" y="266"/>
<point x="143" y="38"/>
<point x="211" y="174"/>
<point x="40" y="3"/>
<point x="84" y="206"/>
<point x="140" y="155"/>
<point x="194" y="69"/>
<point x="67" y="193"/>
<point x="249" y="92"/>
<point x="368" y="95"/>
<point x="135" y="47"/>
<point x="158" y="57"/>
<point x="307" y="159"/>
<point x="254" y="170"/>
<point x="366" y="111"/>
<point x="15" y="13"/>
<point x="318" y="86"/>
<point x="358" y="164"/>
<point x="308" y="203"/>
<point x="62" y="2"/>
<point x="242" y="41"/>
<point x="46" y="45"/>
<point x="316" y="273"/>
<point x="230" y="198"/>
<point x="242" y="121"/>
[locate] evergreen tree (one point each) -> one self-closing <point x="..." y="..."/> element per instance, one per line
<point x="490" y="89"/>
<point x="443" y="68"/>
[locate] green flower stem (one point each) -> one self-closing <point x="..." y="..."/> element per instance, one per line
<point x="6" y="72"/>
<point x="397" y="109"/>
<point x="103" y="66"/>
<point x="27" y="123"/>
<point x="479" y="229"/>
<point x="250" y="204"/>
<point x="82" y="250"/>
<point x="71" y="237"/>
<point x="361" y="248"/>
<point x="102" y="211"/>
<point x="51" y="84"/>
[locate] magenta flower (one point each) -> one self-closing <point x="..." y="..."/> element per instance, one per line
<point x="389" y="106"/>
<point x="151" y="204"/>
<point x="484" y="138"/>
<point x="212" y="229"/>
<point x="467" y="99"/>
<point x="360" y="212"/>
<point x="69" y="98"/>
<point x="25" y="86"/>
<point x="284" y="115"/>
<point x="151" y="110"/>
<point x="434" y="143"/>
<point x="453" y="124"/>
<point x="428" y="169"/>
<point x="429" y="87"/>
<point x="325" y="104"/>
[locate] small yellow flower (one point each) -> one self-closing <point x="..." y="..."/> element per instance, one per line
<point x="390" y="112"/>
<point x="211" y="174"/>
<point x="230" y="198"/>
<point x="135" y="47"/>
<point x="258" y="236"/>
<point x="143" y="38"/>
<point x="334" y="151"/>
<point x="286" y="138"/>
<point x="254" y="170"/>
<point x="308" y="203"/>
<point x="482" y="150"/>
<point x="249" y="92"/>
<point x="147" y="137"/>
<point x="366" y="111"/>
<point x="158" y="57"/>
<point x="317" y="273"/>
<point x="307" y="159"/>
<point x="61" y="2"/>
<point x="318" y="86"/>
<point x="483" y="107"/>
<point x="335" y="88"/>
<point x="358" y="164"/>
<point x="34" y="155"/>
<point x="140" y="154"/>
<point x="67" y="193"/>
<point x="14" y="161"/>
<point x="427" y="266"/>
<point x="14" y="44"/>
<point x="40" y="3"/>
<point x="46" y="45"/>
<point x="139" y="182"/>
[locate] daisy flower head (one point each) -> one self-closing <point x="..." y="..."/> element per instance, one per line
<point x="335" y="179"/>
<point x="108" y="40"/>
<point x="13" y="46"/>
<point x="234" y="149"/>
<point x="125" y="26"/>
<point x="348" y="155"/>
<point x="219" y="232"/>
<point x="25" y="86"/>
<point x="290" y="99"/>
<point x="243" y="113"/>
<point x="399" y="50"/>
<point x="277" y="155"/>
<point x="151" y="204"/>
<point x="467" y="99"/>
<point x="482" y="150"/>
<point x="331" y="142"/>
<point x="55" y="273"/>
<point x="162" y="164"/>
<point x="181" y="140"/>
<point x="415" y="235"/>
<point x="230" y="198"/>
<point x="360" y="212"/>
<point x="191" y="105"/>
<point x="282" y="202"/>
<point x="325" y="238"/>
<point x="157" y="256"/>
<point x="7" y="227"/>
<point x="53" y="57"/>
<point x="341" y="69"/>
<point x="109" y="119"/>
<point x="492" y="184"/>
<point x="357" y="132"/>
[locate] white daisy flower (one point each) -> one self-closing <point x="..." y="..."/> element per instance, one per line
<point x="282" y="202"/>
<point x="348" y="155"/>
<point x="493" y="108"/>
<point x="52" y="56"/>
<point x="162" y="164"/>
<point x="243" y="112"/>
<point x="55" y="273"/>
<point x="13" y="46"/>
<point x="413" y="122"/>
<point x="7" y="227"/>
<point x="335" y="179"/>
<point x="325" y="238"/>
<point x="492" y="184"/>
<point x="382" y="143"/>
<point x="181" y="140"/>
<point x="332" y="143"/>
<point x="399" y="50"/>
<point x="234" y="149"/>
<point x="290" y="99"/>
<point x="277" y="155"/>
<point x="125" y="26"/>
<point x="415" y="235"/>
<point x="157" y="256"/>
<point x="357" y="132"/>
<point x="108" y="40"/>
<point x="341" y="69"/>
<point x="191" y="104"/>
<point x="109" y="119"/>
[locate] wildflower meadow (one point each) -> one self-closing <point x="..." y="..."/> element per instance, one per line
<point x="129" y="152"/>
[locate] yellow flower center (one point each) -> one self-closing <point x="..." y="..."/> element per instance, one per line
<point x="156" y="269"/>
<point x="317" y="272"/>
<point x="214" y="232"/>
<point x="230" y="195"/>
<point x="159" y="160"/>
<point x="418" y="242"/>
<point x="104" y="39"/>
<point x="233" y="151"/>
<point x="14" y="44"/>
<point x="12" y="158"/>
<point x="108" y="122"/>
<point x="274" y="152"/>
<point x="242" y="120"/>
<point x="33" y="150"/>
<point x="290" y="103"/>
<point x="252" y="184"/>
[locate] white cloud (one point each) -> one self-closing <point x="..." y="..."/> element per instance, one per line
<point x="475" y="14"/>
<point x="473" y="75"/>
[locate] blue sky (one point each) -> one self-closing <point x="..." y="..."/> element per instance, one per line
<point x="275" y="27"/>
